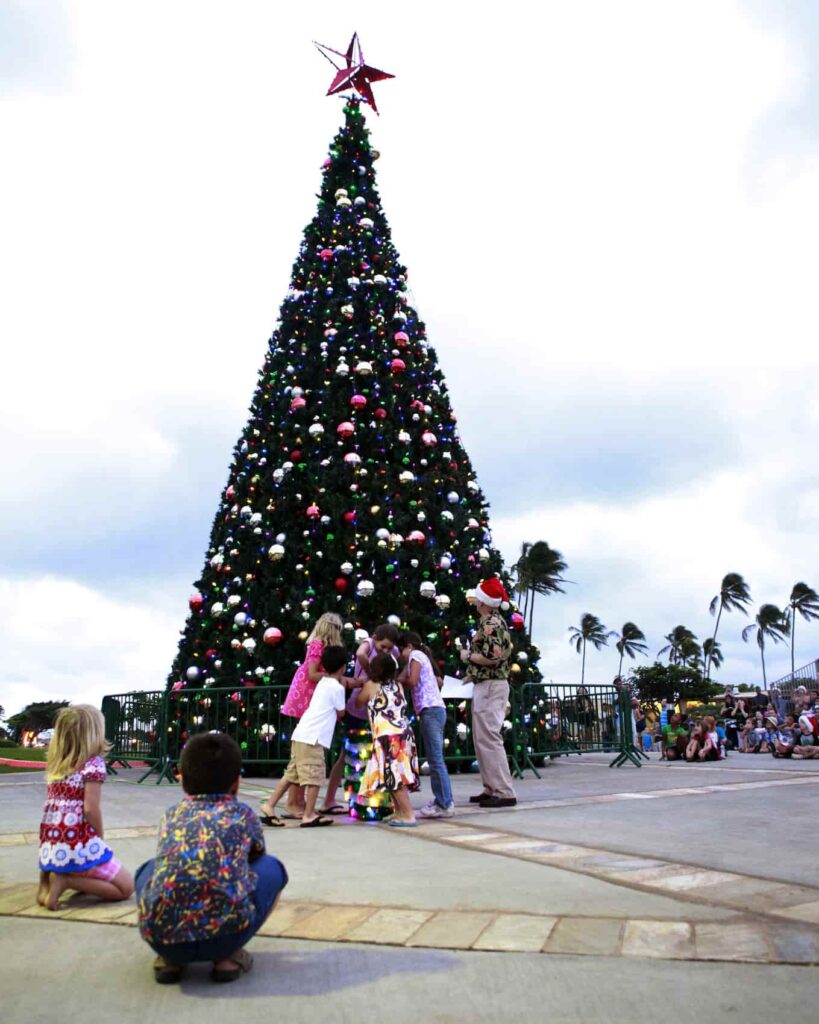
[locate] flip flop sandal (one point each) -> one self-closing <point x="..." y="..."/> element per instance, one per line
<point x="243" y="961"/>
<point x="317" y="823"/>
<point x="337" y="810"/>
<point x="401" y="824"/>
<point x="272" y="820"/>
<point x="165" y="973"/>
<point x="290" y="817"/>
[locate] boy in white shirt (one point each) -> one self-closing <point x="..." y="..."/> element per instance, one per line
<point x="311" y="737"/>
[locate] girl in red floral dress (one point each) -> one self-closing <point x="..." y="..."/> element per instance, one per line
<point x="73" y="852"/>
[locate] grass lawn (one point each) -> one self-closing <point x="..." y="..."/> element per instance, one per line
<point x="24" y="753"/>
<point x="8" y="769"/>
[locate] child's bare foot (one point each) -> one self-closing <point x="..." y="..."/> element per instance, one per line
<point x="42" y="888"/>
<point x="57" y="885"/>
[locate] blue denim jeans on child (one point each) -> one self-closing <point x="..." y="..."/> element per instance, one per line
<point x="272" y="878"/>
<point x="433" y="721"/>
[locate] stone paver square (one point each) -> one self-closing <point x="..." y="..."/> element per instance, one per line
<point x="691" y="880"/>
<point x="12" y="839"/>
<point x="516" y="933"/>
<point x="664" y="940"/>
<point x="389" y="926"/>
<point x="793" y="944"/>
<point x="808" y="912"/>
<point x="732" y="942"/>
<point x="285" y="915"/>
<point x="451" y="929"/>
<point x="15" y="897"/>
<point x="35" y="910"/>
<point x="101" y="912"/>
<point x="328" y="923"/>
<point x="594" y="936"/>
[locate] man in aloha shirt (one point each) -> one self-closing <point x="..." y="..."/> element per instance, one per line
<point x="488" y="660"/>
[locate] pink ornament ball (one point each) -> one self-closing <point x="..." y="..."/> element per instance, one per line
<point x="429" y="439"/>
<point x="417" y="537"/>
<point x="358" y="401"/>
<point x="345" y="429"/>
<point x="272" y="636"/>
<point x="326" y="254"/>
<point x="230" y="493"/>
<point x="195" y="602"/>
<point x="401" y="338"/>
<point x="516" y="621"/>
<point x="297" y="403"/>
<point x="313" y="512"/>
<point x="417" y="406"/>
<point x="398" y="366"/>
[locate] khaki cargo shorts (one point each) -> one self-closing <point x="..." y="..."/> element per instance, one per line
<point x="306" y="766"/>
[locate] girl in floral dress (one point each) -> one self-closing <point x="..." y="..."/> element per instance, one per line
<point x="73" y="852"/>
<point x="393" y="764"/>
<point x="326" y="633"/>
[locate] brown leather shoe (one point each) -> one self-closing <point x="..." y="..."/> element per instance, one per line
<point x="498" y="801"/>
<point x="479" y="797"/>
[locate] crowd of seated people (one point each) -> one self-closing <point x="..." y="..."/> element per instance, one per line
<point x="762" y="723"/>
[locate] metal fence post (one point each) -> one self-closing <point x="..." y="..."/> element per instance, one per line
<point x="626" y="745"/>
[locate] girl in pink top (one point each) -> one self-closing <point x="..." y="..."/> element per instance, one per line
<point x="326" y="633"/>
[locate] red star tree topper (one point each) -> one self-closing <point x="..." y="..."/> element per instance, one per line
<point x="354" y="74"/>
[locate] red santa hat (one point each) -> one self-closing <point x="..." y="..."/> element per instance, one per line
<point x="491" y="592"/>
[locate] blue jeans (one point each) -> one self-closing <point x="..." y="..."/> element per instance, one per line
<point x="272" y="878"/>
<point x="433" y="721"/>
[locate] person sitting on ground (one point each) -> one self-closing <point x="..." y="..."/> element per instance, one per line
<point x="808" y="729"/>
<point x="211" y="885"/>
<point x="311" y="738"/>
<point x="696" y="743"/>
<point x="674" y="739"/>
<point x="782" y="739"/>
<point x="711" y="747"/>
<point x="73" y="852"/>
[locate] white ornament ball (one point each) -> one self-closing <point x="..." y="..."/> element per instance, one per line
<point x="427" y="589"/>
<point x="233" y="600"/>
<point x="217" y="609"/>
<point x="382" y="534"/>
<point x="404" y="437"/>
<point x="367" y="223"/>
<point x="217" y="561"/>
<point x="240" y="618"/>
<point x="275" y="552"/>
<point x="442" y="600"/>
<point x="315" y="430"/>
<point x="483" y="555"/>
<point x="278" y="476"/>
<point x="256" y="518"/>
<point x="364" y="368"/>
<point x="249" y="644"/>
<point x="461" y="730"/>
<point x="352" y="459"/>
<point x="365" y="588"/>
<point x="342" y="369"/>
<point x="343" y="202"/>
<point x="447" y="517"/>
<point x="346" y="568"/>
<point x="394" y="620"/>
<point x="523" y="657"/>
<point x="446" y="561"/>
<point x="379" y="279"/>
<point x="406" y="477"/>
<point x="361" y="635"/>
<point x="453" y="497"/>
<point x="192" y="674"/>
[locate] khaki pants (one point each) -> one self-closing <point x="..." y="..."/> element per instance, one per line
<point x="489" y="701"/>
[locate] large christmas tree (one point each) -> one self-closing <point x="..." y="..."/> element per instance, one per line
<point x="349" y="489"/>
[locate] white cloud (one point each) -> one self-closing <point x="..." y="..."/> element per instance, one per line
<point x="574" y="191"/>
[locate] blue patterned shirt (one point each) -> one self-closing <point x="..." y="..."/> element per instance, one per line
<point x="202" y="885"/>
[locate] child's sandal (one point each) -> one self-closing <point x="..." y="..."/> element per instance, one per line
<point x="272" y="820"/>
<point x="165" y="973"/>
<point x="243" y="961"/>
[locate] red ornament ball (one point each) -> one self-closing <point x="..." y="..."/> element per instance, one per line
<point x="341" y="585"/>
<point x="272" y="636"/>
<point x="295" y="455"/>
<point x="516" y="621"/>
<point x="398" y="366"/>
<point x="380" y="414"/>
<point x="349" y="517"/>
<point x="230" y="493"/>
<point x="345" y="429"/>
<point x="417" y="406"/>
<point x="358" y="401"/>
<point x="195" y="602"/>
<point x="417" y="537"/>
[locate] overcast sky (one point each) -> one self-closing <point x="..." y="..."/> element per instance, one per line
<point x="609" y="213"/>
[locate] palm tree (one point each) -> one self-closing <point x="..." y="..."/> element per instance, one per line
<point x="772" y="624"/>
<point x="678" y="638"/>
<point x="733" y="595"/>
<point x="629" y="641"/>
<point x="591" y="631"/>
<point x="690" y="652"/>
<point x="712" y="649"/>
<point x="805" y="601"/>
<point x="539" y="570"/>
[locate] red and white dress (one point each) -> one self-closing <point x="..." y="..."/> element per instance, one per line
<point x="68" y="843"/>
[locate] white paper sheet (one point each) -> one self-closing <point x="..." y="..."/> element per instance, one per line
<point x="456" y="689"/>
